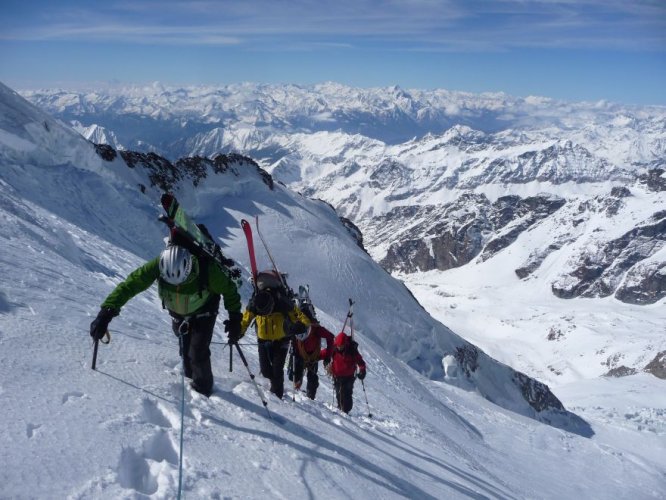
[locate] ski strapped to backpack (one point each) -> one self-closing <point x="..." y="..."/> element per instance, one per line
<point x="270" y="256"/>
<point x="304" y="294"/>
<point x="247" y="230"/>
<point x="196" y="237"/>
<point x="350" y="318"/>
<point x="274" y="279"/>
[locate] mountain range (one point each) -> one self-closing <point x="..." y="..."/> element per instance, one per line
<point x="532" y="229"/>
<point x="433" y="180"/>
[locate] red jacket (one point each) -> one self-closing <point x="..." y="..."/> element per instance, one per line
<point x="345" y="357"/>
<point x="309" y="349"/>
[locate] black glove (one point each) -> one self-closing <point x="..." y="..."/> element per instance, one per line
<point x="297" y="328"/>
<point x="327" y="361"/>
<point x="233" y="327"/>
<point x="100" y="324"/>
<point x="361" y="375"/>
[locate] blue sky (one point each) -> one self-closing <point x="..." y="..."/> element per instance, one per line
<point x="566" y="49"/>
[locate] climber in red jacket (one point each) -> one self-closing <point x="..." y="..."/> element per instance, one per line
<point x="344" y="362"/>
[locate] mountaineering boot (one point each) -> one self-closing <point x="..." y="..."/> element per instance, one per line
<point x="201" y="390"/>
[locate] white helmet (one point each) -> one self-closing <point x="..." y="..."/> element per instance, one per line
<point x="175" y="264"/>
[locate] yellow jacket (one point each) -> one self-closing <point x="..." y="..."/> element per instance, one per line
<point x="271" y="326"/>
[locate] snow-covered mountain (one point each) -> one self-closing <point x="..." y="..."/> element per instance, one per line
<point x="78" y="220"/>
<point x="97" y="135"/>
<point x="183" y="121"/>
<point x="437" y="179"/>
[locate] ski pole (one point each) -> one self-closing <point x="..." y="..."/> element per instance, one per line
<point x="265" y="403"/>
<point x="293" y="369"/>
<point x="96" y="345"/>
<point x="231" y="360"/>
<point x="366" y="398"/>
<point x="94" y="360"/>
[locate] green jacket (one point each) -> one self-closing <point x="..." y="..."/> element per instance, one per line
<point x="184" y="299"/>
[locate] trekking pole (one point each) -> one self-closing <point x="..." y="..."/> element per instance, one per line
<point x="265" y="403"/>
<point x="231" y="360"/>
<point x="292" y="367"/>
<point x="366" y="398"/>
<point x="335" y="396"/>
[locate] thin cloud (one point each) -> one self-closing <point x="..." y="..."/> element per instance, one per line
<point x="465" y="25"/>
<point x="128" y="33"/>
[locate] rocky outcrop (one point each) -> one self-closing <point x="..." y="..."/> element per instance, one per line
<point x="657" y="366"/>
<point x="620" y="371"/>
<point x="535" y="260"/>
<point x="354" y="231"/>
<point x="449" y="235"/>
<point x="467" y="357"/>
<point x="453" y="234"/>
<point x="515" y="215"/>
<point x="165" y="174"/>
<point x="564" y="161"/>
<point x="654" y="180"/>
<point x="599" y="272"/>
<point x="610" y="204"/>
<point x="645" y="283"/>
<point x="106" y="152"/>
<point x="537" y="394"/>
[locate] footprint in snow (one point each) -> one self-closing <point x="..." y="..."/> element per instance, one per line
<point x="154" y="463"/>
<point x="134" y="472"/>
<point x="70" y="395"/>
<point x="160" y="447"/>
<point x="30" y="429"/>
<point x="154" y="414"/>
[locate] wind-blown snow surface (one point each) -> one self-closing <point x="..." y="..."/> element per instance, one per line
<point x="70" y="233"/>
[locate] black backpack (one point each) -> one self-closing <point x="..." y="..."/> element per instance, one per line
<point x="269" y="282"/>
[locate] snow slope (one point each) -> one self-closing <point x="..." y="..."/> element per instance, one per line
<point x="72" y="229"/>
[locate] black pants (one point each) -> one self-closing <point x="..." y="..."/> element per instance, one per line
<point x="272" y="355"/>
<point x="344" y="390"/>
<point x="195" y="351"/>
<point x="310" y="368"/>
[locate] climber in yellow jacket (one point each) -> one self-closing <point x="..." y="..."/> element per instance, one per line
<point x="276" y="320"/>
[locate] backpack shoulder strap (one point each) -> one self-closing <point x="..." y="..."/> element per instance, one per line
<point x="204" y="262"/>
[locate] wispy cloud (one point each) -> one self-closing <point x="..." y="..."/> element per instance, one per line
<point x="190" y="35"/>
<point x="456" y="25"/>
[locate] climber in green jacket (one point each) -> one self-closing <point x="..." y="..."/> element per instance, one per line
<point x="190" y="288"/>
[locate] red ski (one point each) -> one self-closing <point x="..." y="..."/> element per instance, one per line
<point x="247" y="229"/>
